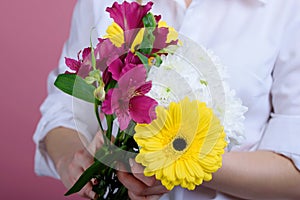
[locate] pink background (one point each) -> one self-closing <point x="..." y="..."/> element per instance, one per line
<point x="31" y="39"/>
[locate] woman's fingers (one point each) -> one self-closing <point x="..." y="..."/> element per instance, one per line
<point x="70" y="169"/>
<point x="138" y="185"/>
<point x="96" y="143"/>
<point x="87" y="192"/>
<point x="156" y="189"/>
<point x="138" y="171"/>
<point x="133" y="196"/>
<point x="71" y="166"/>
<point x="83" y="159"/>
<point x="129" y="181"/>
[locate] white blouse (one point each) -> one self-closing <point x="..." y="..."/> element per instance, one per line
<point x="258" y="41"/>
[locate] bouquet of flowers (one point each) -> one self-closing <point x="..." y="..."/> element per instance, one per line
<point x="167" y="96"/>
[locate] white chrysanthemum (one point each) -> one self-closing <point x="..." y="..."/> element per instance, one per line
<point x="233" y="112"/>
<point x="173" y="80"/>
<point x="194" y="72"/>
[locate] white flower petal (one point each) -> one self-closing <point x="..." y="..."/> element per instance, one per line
<point x="197" y="73"/>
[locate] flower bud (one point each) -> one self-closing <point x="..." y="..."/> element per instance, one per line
<point x="99" y="93"/>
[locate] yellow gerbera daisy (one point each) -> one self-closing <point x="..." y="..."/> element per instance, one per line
<point x="183" y="145"/>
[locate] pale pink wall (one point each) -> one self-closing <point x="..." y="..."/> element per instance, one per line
<point x="31" y="37"/>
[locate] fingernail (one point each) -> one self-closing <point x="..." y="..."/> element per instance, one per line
<point x="131" y="162"/>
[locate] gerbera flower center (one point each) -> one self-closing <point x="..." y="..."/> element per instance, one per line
<point x="179" y="144"/>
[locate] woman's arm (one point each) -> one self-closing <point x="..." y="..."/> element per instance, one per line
<point x="62" y="143"/>
<point x="247" y="175"/>
<point x="253" y="175"/>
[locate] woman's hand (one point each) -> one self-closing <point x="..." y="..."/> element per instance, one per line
<point x="72" y="157"/>
<point x="139" y="186"/>
<point x="70" y="169"/>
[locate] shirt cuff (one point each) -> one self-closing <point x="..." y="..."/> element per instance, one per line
<point x="282" y="136"/>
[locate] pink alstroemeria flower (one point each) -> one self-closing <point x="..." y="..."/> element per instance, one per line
<point x="106" y="53"/>
<point x="160" y="39"/>
<point x="80" y="66"/>
<point x="128" y="101"/>
<point x="123" y="64"/>
<point x="114" y="61"/>
<point x="129" y="17"/>
<point x="161" y="34"/>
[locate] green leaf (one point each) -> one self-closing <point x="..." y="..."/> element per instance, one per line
<point x="149" y="20"/>
<point x="85" y="177"/>
<point x="101" y="152"/>
<point x="158" y="60"/>
<point x="203" y="82"/>
<point x="75" y="86"/>
<point x="144" y="60"/>
<point x="148" y="39"/>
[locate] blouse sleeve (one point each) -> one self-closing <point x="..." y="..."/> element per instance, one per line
<point x="282" y="133"/>
<point x="58" y="108"/>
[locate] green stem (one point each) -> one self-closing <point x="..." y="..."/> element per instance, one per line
<point x="99" y="122"/>
<point x="118" y="138"/>
<point x="92" y="50"/>
<point x="109" y="120"/>
<point x="110" y="85"/>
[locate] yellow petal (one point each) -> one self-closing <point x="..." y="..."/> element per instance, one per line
<point x="137" y="40"/>
<point x="169" y="173"/>
<point x="172" y="35"/>
<point x="203" y="133"/>
<point x="180" y="170"/>
<point x="115" y="34"/>
<point x="196" y="168"/>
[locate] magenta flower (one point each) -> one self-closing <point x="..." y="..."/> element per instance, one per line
<point x="73" y="64"/>
<point x="161" y="38"/>
<point x="114" y="61"/>
<point x="106" y="53"/>
<point x="128" y="101"/>
<point x="161" y="35"/>
<point x="129" y="17"/>
<point x="82" y="66"/>
<point x="123" y="64"/>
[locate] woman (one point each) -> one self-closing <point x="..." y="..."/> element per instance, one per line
<point x="257" y="40"/>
